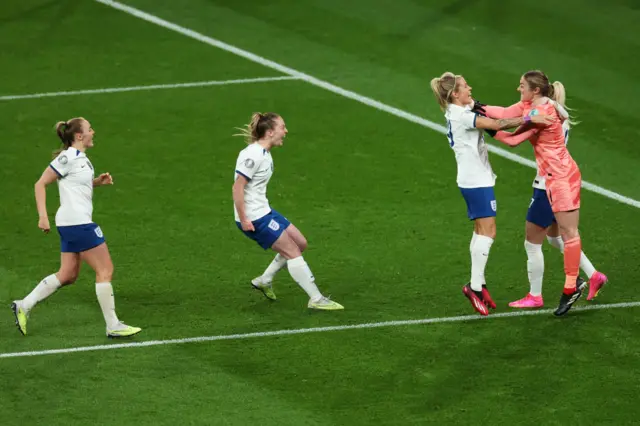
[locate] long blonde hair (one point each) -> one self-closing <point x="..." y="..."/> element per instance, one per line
<point x="258" y="126"/>
<point x="443" y="87"/>
<point x="66" y="131"/>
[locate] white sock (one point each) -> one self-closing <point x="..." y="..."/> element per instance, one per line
<point x="556" y="242"/>
<point x="104" y="291"/>
<point x="276" y="264"/>
<point x="301" y="274"/>
<point x="473" y="240"/>
<point x="44" y="289"/>
<point x="535" y="267"/>
<point x="479" y="257"/>
<point x="585" y="263"/>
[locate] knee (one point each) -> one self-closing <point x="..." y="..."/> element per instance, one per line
<point x="67" y="277"/>
<point x="486" y="228"/>
<point x="569" y="234"/>
<point x="290" y="251"/>
<point x="104" y="275"/>
<point x="534" y="233"/>
<point x="302" y="244"/>
<point x="489" y="231"/>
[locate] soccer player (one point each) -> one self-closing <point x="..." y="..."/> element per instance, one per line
<point x="561" y="173"/>
<point x="80" y="238"/>
<point x="541" y="223"/>
<point x="258" y="221"/>
<point x="475" y="176"/>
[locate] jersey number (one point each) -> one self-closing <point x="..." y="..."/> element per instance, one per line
<point x="449" y="134"/>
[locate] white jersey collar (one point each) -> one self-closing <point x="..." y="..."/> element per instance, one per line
<point x="74" y="152"/>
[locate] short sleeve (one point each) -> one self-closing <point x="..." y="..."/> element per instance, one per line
<point x="248" y="162"/>
<point x="468" y="119"/>
<point x="61" y="164"/>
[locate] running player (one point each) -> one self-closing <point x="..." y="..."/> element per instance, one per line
<point x="255" y="218"/>
<point x="80" y="238"/>
<point x="475" y="176"/>
<point x="562" y="175"/>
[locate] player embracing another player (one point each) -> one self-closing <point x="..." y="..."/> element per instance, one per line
<point x="475" y="178"/>
<point x="561" y="173"/>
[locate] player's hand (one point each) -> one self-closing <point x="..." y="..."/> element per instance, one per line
<point x="247" y="226"/>
<point x="43" y="224"/>
<point x="478" y="107"/>
<point x="542" y="119"/>
<point x="104" y="179"/>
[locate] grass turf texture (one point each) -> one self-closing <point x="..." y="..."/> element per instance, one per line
<point x="375" y="196"/>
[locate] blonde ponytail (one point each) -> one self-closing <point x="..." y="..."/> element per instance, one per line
<point x="258" y="126"/>
<point x="558" y="93"/>
<point x="443" y="87"/>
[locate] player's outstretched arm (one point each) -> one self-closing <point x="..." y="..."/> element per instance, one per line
<point x="508" y="123"/>
<point x="522" y="134"/>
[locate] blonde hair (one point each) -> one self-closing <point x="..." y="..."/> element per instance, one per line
<point x="66" y="131"/>
<point x="558" y="93"/>
<point x="258" y="126"/>
<point x="443" y="87"/>
<point x="555" y="91"/>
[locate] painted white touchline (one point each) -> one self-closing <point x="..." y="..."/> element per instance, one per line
<point x="311" y="330"/>
<point x="148" y="87"/>
<point x="340" y="91"/>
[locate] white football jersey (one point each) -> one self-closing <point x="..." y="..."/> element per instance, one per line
<point x="75" y="184"/>
<point x="254" y="163"/>
<point x="540" y="181"/>
<point x="467" y="142"/>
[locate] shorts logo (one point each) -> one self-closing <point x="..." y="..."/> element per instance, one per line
<point x="249" y="163"/>
<point x="274" y="225"/>
<point x="494" y="205"/>
<point x="532" y="201"/>
<point x="98" y="232"/>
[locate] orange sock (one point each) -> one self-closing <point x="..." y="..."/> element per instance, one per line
<point x="572" y="251"/>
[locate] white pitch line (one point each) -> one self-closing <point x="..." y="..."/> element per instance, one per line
<point x="340" y="91"/>
<point x="309" y="330"/>
<point x="148" y="87"/>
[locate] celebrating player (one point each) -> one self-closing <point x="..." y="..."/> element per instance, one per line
<point x="475" y="176"/>
<point x="80" y="238"/>
<point x="562" y="179"/>
<point x="541" y="222"/>
<point x="255" y="218"/>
